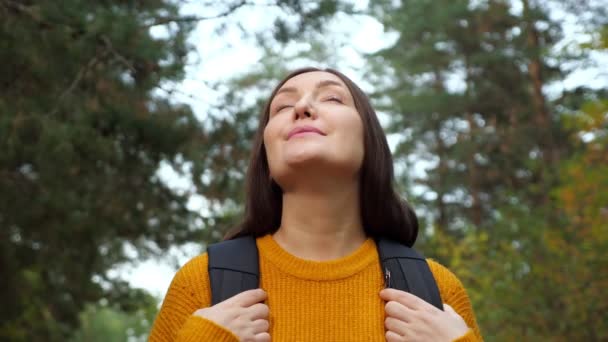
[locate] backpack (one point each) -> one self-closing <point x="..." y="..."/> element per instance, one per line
<point x="234" y="268"/>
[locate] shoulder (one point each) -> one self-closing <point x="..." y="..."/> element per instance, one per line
<point x="191" y="282"/>
<point x="194" y="266"/>
<point x="188" y="292"/>
<point x="192" y="270"/>
<point x="441" y="272"/>
<point x="448" y="283"/>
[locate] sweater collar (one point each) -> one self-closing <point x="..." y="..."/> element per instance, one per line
<point x="335" y="269"/>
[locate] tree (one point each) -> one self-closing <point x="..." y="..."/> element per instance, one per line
<point x="82" y="139"/>
<point x="103" y="322"/>
<point x="459" y="90"/>
<point x="83" y="132"/>
<point x="464" y="84"/>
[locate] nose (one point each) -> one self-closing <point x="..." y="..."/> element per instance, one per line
<point x="303" y="109"/>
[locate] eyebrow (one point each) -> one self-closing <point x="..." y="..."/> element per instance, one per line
<point x="320" y="84"/>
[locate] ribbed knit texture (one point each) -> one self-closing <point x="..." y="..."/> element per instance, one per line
<point x="334" y="300"/>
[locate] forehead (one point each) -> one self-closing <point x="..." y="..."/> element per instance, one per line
<point x="311" y="79"/>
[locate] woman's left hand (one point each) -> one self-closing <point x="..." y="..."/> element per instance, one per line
<point x="409" y="318"/>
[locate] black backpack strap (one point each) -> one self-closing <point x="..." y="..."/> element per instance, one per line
<point x="233" y="268"/>
<point x="409" y="271"/>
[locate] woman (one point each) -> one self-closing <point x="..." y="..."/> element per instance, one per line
<point x="319" y="191"/>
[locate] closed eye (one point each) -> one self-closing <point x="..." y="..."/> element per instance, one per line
<point x="280" y="108"/>
<point x="334" y="99"/>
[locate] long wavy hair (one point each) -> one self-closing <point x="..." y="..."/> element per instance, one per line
<point x="383" y="212"/>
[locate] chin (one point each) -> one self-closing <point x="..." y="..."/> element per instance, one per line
<point x="304" y="154"/>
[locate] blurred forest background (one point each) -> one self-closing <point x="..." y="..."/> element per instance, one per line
<point x="504" y="161"/>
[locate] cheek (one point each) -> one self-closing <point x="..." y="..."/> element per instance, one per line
<point x="360" y="142"/>
<point x="348" y="144"/>
<point x="271" y="134"/>
<point x="354" y="132"/>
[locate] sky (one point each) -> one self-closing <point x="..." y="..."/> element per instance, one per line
<point x="217" y="58"/>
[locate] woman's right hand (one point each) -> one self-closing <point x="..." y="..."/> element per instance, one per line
<point x="244" y="315"/>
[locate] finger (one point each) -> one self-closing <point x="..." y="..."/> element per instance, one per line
<point x="392" y="336"/>
<point x="260" y="326"/>
<point x="407" y="299"/>
<point x="263" y="337"/>
<point x="257" y="311"/>
<point x="397" y="310"/>
<point x="247" y="298"/>
<point x="395" y="325"/>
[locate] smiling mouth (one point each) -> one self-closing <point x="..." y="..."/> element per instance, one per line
<point x="302" y="133"/>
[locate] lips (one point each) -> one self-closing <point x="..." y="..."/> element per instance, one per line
<point x="304" y="129"/>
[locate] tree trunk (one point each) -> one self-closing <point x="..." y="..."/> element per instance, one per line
<point x="542" y="117"/>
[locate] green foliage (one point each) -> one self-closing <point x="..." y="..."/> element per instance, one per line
<point x="82" y="139"/>
<point x="103" y="323"/>
<point x="582" y="197"/>
<point x="305" y="17"/>
<point x="477" y="135"/>
<point x="514" y="196"/>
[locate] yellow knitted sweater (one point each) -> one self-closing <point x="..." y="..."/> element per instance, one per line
<point x="333" y="300"/>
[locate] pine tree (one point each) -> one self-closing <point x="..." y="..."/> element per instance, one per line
<point x="83" y="132"/>
<point x="493" y="142"/>
<point x="82" y="138"/>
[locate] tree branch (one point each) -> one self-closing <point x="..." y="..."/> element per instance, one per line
<point x="83" y="70"/>
<point x="120" y="57"/>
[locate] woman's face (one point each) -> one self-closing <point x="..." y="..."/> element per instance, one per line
<point x="313" y="125"/>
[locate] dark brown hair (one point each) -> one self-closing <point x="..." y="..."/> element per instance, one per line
<point x="383" y="212"/>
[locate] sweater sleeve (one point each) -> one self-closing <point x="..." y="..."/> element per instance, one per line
<point x="188" y="292"/>
<point x="454" y="294"/>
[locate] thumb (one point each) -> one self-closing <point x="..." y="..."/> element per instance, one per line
<point x="247" y="298"/>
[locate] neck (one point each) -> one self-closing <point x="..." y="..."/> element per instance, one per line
<point x="321" y="225"/>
